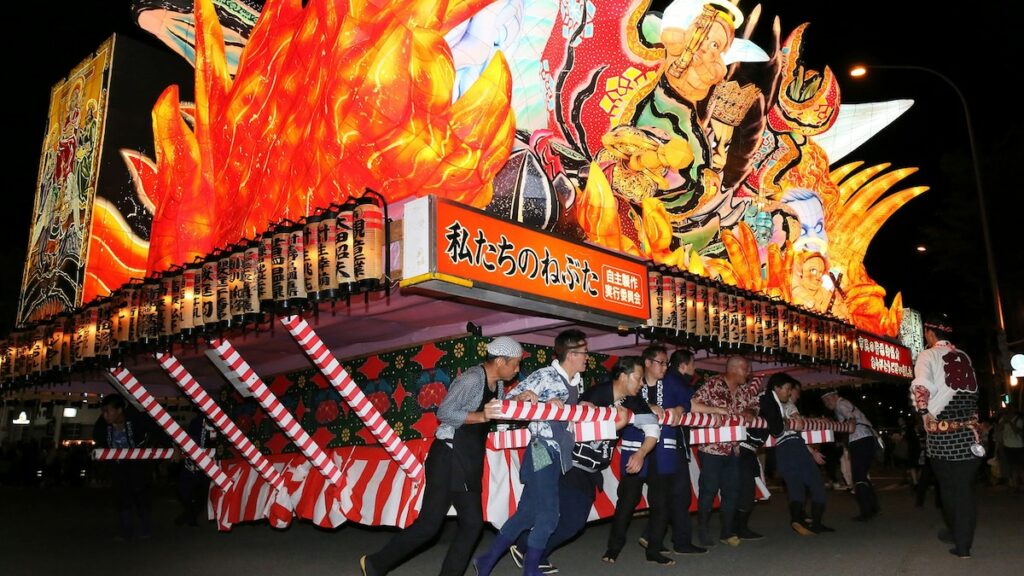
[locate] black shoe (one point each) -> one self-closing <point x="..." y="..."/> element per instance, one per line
<point x="959" y="553"/>
<point x="659" y="559"/>
<point x="946" y="536"/>
<point x="689" y="549"/>
<point x="748" y="534"/>
<point x="644" y="543"/>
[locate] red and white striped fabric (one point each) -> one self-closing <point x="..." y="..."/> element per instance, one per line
<point x="279" y="510"/>
<point x="284" y="419"/>
<point x="350" y="392"/>
<point x="716" y="435"/>
<point x="132" y="453"/>
<point x="374" y="490"/>
<point x="507" y="439"/>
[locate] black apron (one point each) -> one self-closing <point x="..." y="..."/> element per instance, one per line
<point x="469" y="447"/>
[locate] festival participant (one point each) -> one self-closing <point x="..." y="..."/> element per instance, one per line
<point x="945" y="393"/>
<point x="548" y="456"/>
<point x="795" y="462"/>
<point x="732" y="395"/>
<point x="193" y="483"/>
<point x="656" y="470"/>
<point x="122" y="427"/>
<point x="455" y="464"/>
<point x="861" y="446"/>
<point x="578" y="487"/>
<point x="682" y="368"/>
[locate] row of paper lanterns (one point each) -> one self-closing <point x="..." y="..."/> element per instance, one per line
<point x="709" y="314"/>
<point x="333" y="253"/>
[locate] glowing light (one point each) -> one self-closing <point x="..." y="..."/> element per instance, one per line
<point x="858" y="71"/>
<point x="922" y="248"/>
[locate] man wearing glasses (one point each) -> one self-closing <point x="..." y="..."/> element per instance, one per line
<point x="546" y="459"/>
<point x="657" y="470"/>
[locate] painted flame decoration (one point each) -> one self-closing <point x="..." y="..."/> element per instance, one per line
<point x="328" y="100"/>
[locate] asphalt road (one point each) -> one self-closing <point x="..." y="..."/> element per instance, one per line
<point x="69" y="531"/>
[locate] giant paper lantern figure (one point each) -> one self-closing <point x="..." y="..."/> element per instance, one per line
<point x="676" y="138"/>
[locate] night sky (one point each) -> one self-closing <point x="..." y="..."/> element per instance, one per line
<point x="970" y="45"/>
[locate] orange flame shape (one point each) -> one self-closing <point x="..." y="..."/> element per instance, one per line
<point x="329" y="99"/>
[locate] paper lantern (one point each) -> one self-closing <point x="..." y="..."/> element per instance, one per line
<point x="36" y="363"/>
<point x="654" y="295"/>
<point x="295" y="284"/>
<point x="690" y="298"/>
<point x="104" y="329"/>
<point x="278" y="263"/>
<point x="668" y="302"/>
<point x="311" y="246"/>
<point x="703" y="309"/>
<point x="713" y="312"/>
<point x="150" y="307"/>
<point x="84" y="345"/>
<point x="237" y="301"/>
<point x="368" y="246"/>
<point x="326" y="254"/>
<point x="782" y="326"/>
<point x="737" y="318"/>
<point x="55" y="344"/>
<point x="223" y="293"/>
<point x="171" y="296"/>
<point x="17" y="355"/>
<point x="679" y="291"/>
<point x="265" y="271"/>
<point x="345" y="271"/>
<point x="6" y="360"/>
<point x="251" y="279"/>
<point x="208" y="292"/>
<point x="191" y="312"/>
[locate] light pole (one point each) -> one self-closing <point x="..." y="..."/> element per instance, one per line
<point x="1001" y="374"/>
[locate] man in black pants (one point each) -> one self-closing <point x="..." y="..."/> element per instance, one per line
<point x="682" y="368"/>
<point x="578" y="487"/>
<point x="657" y="458"/>
<point x="795" y="463"/>
<point x="455" y="465"/>
<point x="945" y="393"/>
<point x="862" y="445"/>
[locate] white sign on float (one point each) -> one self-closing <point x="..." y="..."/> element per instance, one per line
<point x="1017" y="363"/>
<point x="912" y="332"/>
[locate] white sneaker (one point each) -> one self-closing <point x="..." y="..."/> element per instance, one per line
<point x="517" y="557"/>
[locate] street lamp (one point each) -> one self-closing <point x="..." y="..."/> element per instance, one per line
<point x="861" y="70"/>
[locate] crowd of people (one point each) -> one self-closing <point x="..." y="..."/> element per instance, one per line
<point x="561" y="477"/>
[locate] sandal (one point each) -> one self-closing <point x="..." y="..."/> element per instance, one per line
<point x="610" y="556"/>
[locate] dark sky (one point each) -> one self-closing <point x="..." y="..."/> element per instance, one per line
<point x="971" y="46"/>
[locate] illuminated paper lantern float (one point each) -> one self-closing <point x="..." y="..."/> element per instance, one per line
<point x="368" y="240"/>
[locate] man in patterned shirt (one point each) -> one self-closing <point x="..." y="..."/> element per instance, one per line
<point x="945" y="393"/>
<point x="732" y="395"/>
<point x="548" y="456"/>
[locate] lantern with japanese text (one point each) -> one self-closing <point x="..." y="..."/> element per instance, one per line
<point x="326" y="254"/>
<point x="170" y="300"/>
<point x="343" y="245"/>
<point x="191" y="316"/>
<point x="208" y="292"/>
<point x="248" y="301"/>
<point x="368" y="241"/>
<point x="223" y="289"/>
<point x="655" y="296"/>
<point x="104" y="329"/>
<point x="295" y="283"/>
<point x="668" y="302"/>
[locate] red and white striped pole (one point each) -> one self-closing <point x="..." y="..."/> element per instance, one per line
<point x="215" y="414"/>
<point x="284" y="419"/>
<point x="350" y="392"/>
<point x="173" y="429"/>
<point x="132" y="453"/>
<point x="515" y="410"/>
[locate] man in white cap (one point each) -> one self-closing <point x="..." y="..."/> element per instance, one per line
<point x="455" y="464"/>
<point x="861" y="446"/>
